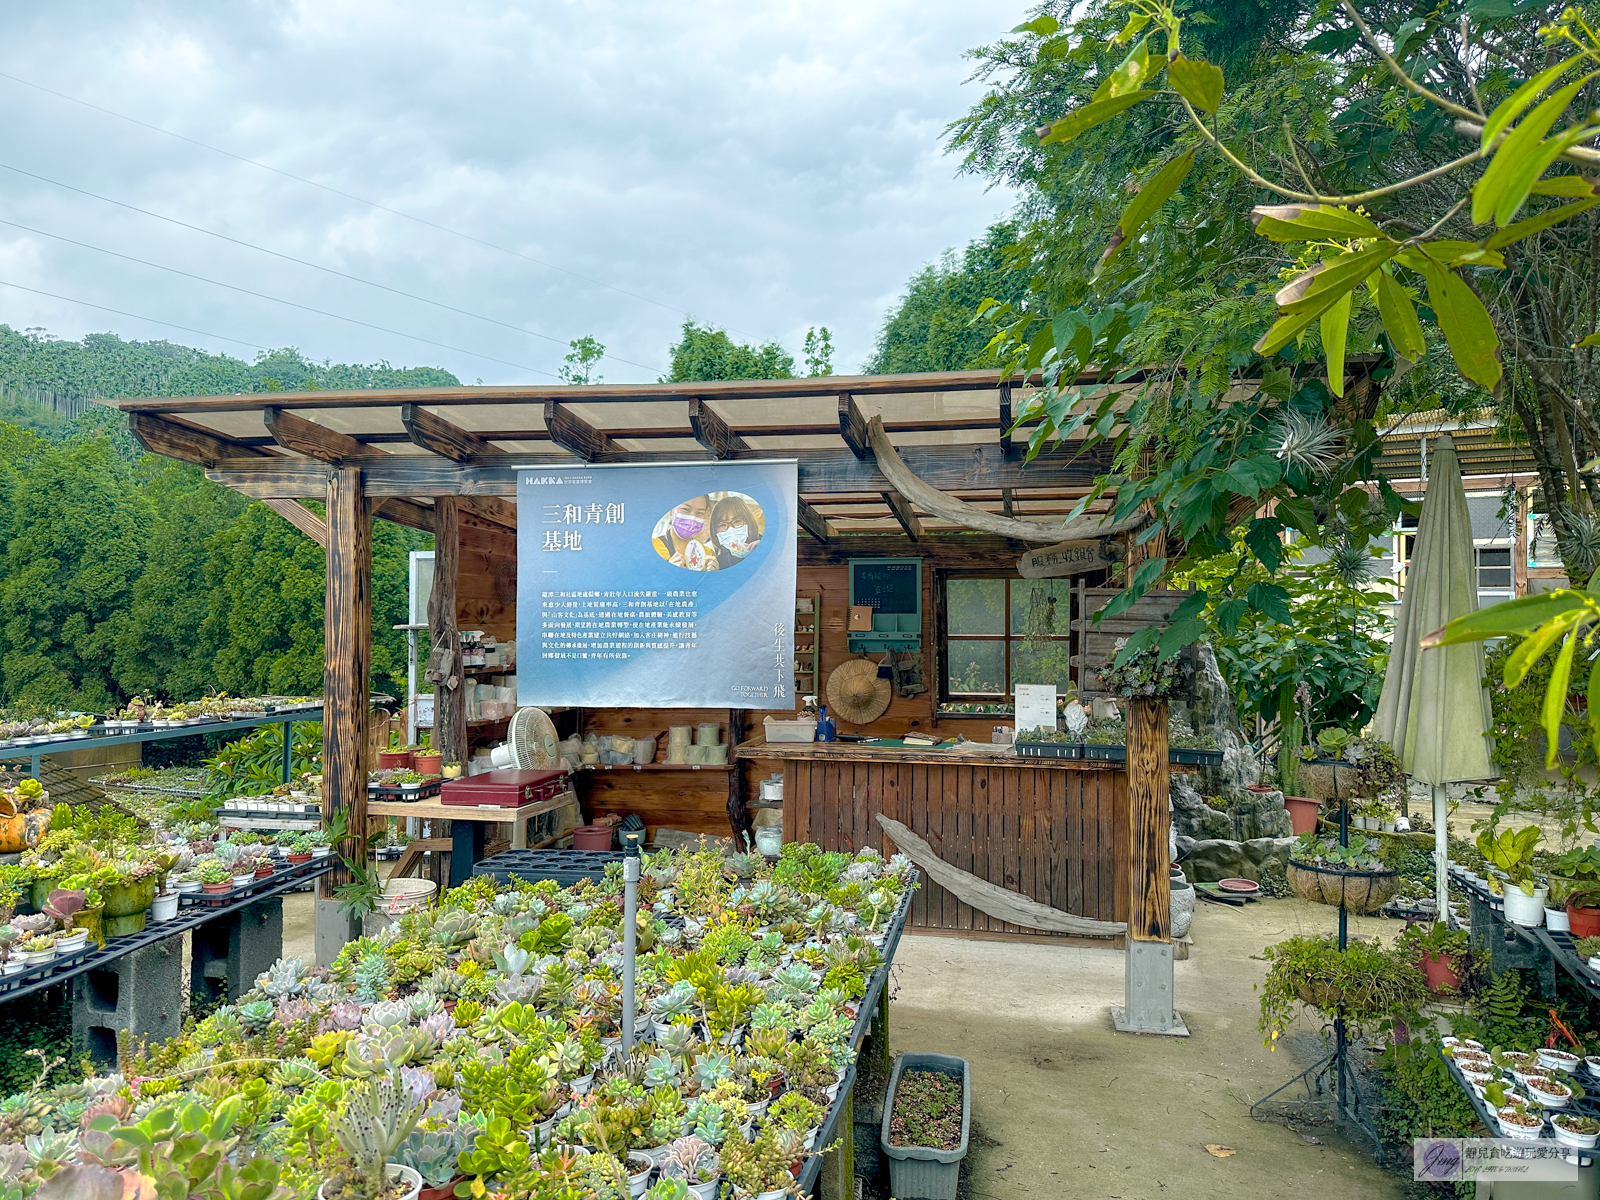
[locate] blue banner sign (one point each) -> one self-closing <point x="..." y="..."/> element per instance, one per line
<point x="665" y="585"/>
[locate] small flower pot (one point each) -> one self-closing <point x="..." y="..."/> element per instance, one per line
<point x="1581" y="922"/>
<point x="1549" y="1099"/>
<point x="298" y="859"/>
<point x="188" y="887"/>
<point x="264" y="872"/>
<point x="398" y="1173"/>
<point x="92" y="920"/>
<point x="1512" y="1126"/>
<point x="1582" y="1141"/>
<point x="72" y="942"/>
<point x="165" y="907"/>
<point x="321" y="851"/>
<point x="394" y="760"/>
<point x="705" y="1191"/>
<point x="1440" y="970"/>
<point x="216" y="889"/>
<point x="13" y="966"/>
<point x="37" y="958"/>
<point x="640" y="1165"/>
<point x="1558" y="1060"/>
<point x="426" y="764"/>
<point x="240" y="881"/>
<point x="1303" y="811"/>
<point x="446" y="1192"/>
<point x="1523" y="909"/>
<point x="1555" y="920"/>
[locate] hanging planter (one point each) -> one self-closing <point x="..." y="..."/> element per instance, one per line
<point x="1356" y="891"/>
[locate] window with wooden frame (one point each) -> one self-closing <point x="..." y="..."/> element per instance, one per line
<point x="997" y="633"/>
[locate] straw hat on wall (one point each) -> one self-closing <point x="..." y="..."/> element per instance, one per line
<point x="856" y="695"/>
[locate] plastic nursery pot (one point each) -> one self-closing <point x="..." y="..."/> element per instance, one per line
<point x="1523" y="909"/>
<point x="447" y="1192"/>
<point x="1583" y="922"/>
<point x="297" y="859"/>
<point x="165" y="907"/>
<point x="216" y="889"/>
<point x="398" y="1173"/>
<point x="1303" y="812"/>
<point x="921" y="1170"/>
<point x="426" y="764"/>
<point x="592" y="837"/>
<point x="1440" y="971"/>
<point x="389" y="760"/>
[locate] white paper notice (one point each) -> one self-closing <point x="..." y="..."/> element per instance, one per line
<point x="1036" y="706"/>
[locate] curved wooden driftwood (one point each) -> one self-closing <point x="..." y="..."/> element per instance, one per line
<point x="990" y="898"/>
<point x="941" y="504"/>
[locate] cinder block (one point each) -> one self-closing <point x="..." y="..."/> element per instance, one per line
<point x="334" y="930"/>
<point x="231" y="951"/>
<point x="141" y="993"/>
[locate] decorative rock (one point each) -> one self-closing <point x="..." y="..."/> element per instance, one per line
<point x="1192" y="817"/>
<point x="1222" y="858"/>
<point x="1213" y="711"/>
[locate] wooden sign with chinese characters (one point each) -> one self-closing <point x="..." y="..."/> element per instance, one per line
<point x="1065" y="558"/>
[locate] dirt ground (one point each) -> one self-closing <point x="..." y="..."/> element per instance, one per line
<point x="1067" y="1107"/>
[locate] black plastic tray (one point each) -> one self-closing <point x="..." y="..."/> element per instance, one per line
<point x="566" y="867"/>
<point x="1050" y="749"/>
<point x="1195" y="758"/>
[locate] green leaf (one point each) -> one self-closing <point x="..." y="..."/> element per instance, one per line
<point x="1129" y="74"/>
<point x="1179" y="634"/>
<point x="1270" y="600"/>
<point x="1334" y="41"/>
<point x="1451" y="252"/>
<point x="1308" y="295"/>
<point x="1506" y="618"/>
<point x="1298" y="513"/>
<point x="1264" y="542"/>
<point x="1131" y="30"/>
<point x="1147" y="573"/>
<point x="1592" y="339"/>
<point x="1335" y="325"/>
<point x="1594" y="699"/>
<point x="1564" y="185"/>
<point x="1522" y="158"/>
<point x="1085" y="118"/>
<point x="1532" y="648"/>
<point x="1508" y="109"/>
<point x="1555" y="698"/>
<point x="1155" y="192"/>
<point x="1466" y="324"/>
<point x="1399" y="318"/>
<point x="1532" y="225"/>
<point x="1310" y="222"/>
<point x="1197" y="81"/>
<point x="1044" y="26"/>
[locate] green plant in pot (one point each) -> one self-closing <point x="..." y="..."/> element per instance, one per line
<point x="1368" y="982"/>
<point x="377" y="1118"/>
<point x="1588" y="948"/>
<point x="1512" y="851"/>
<point x="1441" y="952"/>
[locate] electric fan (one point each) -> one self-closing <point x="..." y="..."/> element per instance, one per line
<point x="531" y="743"/>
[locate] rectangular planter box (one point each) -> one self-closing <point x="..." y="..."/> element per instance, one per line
<point x="918" y="1171"/>
<point x="1106" y="753"/>
<point x="1195" y="758"/>
<point x="1050" y="749"/>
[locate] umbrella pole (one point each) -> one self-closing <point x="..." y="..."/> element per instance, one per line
<point x="1441" y="854"/>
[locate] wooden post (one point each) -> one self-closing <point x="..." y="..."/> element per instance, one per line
<point x="738" y="819"/>
<point x="347" y="663"/>
<point x="1149" y="1002"/>
<point x="1519" y="545"/>
<point x="449" y="703"/>
<point x="1149" y="823"/>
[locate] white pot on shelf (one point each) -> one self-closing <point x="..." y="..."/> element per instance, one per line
<point x="1523" y="909"/>
<point x="1556" y="920"/>
<point x="164" y="907"/>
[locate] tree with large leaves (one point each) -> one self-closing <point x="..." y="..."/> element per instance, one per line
<point x="1234" y="193"/>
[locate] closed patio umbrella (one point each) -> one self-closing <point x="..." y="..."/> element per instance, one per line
<point x="1434" y="709"/>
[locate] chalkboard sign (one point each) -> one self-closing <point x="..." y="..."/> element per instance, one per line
<point x="887" y="585"/>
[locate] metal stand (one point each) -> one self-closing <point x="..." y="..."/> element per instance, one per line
<point x="1346" y="1095"/>
<point x="630" y="934"/>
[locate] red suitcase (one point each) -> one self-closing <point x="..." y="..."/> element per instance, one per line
<point x="505" y="789"/>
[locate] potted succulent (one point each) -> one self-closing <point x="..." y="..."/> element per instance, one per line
<point x="214" y="877"/>
<point x="263" y="867"/>
<point x="926" y="1115"/>
<point x="38" y="949"/>
<point x="10" y="963"/>
<point x="377" y="1118"/>
<point x="321" y="843"/>
<point x="1588" y="949"/>
<point x="760" y="1168"/>
<point x="396" y="756"/>
<point x="243" y="870"/>
<point x="64" y="905"/>
<point x="426" y="761"/>
<point x="1583" y="911"/>
<point x="696" y="1163"/>
<point x="298" y="850"/>
<point x="450" y="770"/>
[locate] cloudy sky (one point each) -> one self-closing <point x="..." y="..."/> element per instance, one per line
<point x="762" y="166"/>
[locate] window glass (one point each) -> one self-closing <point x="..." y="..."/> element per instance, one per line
<point x="1042" y="662"/>
<point x="975" y="606"/>
<point x="1046" y="601"/>
<point x="975" y="668"/>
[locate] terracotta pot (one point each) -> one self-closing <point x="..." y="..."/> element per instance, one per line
<point x="447" y="1192"/>
<point x="1303" y="811"/>
<point x="297" y="859"/>
<point x="263" y="872"/>
<point x="1440" y="970"/>
<point x="425" y="763"/>
<point x="392" y="759"/>
<point x="1584" y="922"/>
<point x="216" y="889"/>
<point x="592" y="837"/>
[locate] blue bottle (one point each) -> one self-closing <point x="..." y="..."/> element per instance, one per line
<point x="826" y="731"/>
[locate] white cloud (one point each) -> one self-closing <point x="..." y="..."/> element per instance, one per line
<point x="765" y="167"/>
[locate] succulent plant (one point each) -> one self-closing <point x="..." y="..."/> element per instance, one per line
<point x="286" y="977"/>
<point x="422" y="1002"/>
<point x="690" y="1159"/>
<point x="256" y="1015"/>
<point x="391" y="1014"/>
<point x="372" y="976"/>
<point x="377" y="1119"/>
<point x="512" y="959"/>
<point x="346" y="1014"/>
<point x="677" y="1001"/>
<point x="433" y="1153"/>
<point x="661" y="1071"/>
<point x="439" y="1026"/>
<point x="711" y="1068"/>
<point x="296" y="1073"/>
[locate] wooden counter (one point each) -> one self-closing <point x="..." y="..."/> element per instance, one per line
<point x="1054" y="829"/>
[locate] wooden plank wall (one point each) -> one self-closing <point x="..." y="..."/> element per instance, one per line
<point x="486" y="589"/>
<point x="1057" y="836"/>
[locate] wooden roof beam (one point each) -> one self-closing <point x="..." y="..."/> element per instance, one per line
<point x="405" y="512"/>
<point x="178" y="439"/>
<point x="490" y="508"/>
<point x="574" y="434"/>
<point x="712" y="432"/>
<point x="302" y="518"/>
<point x="813" y="522"/>
<point x="294" y="432"/>
<point x="444" y="438"/>
<point x="853" y="426"/>
<point x="901" y="507"/>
